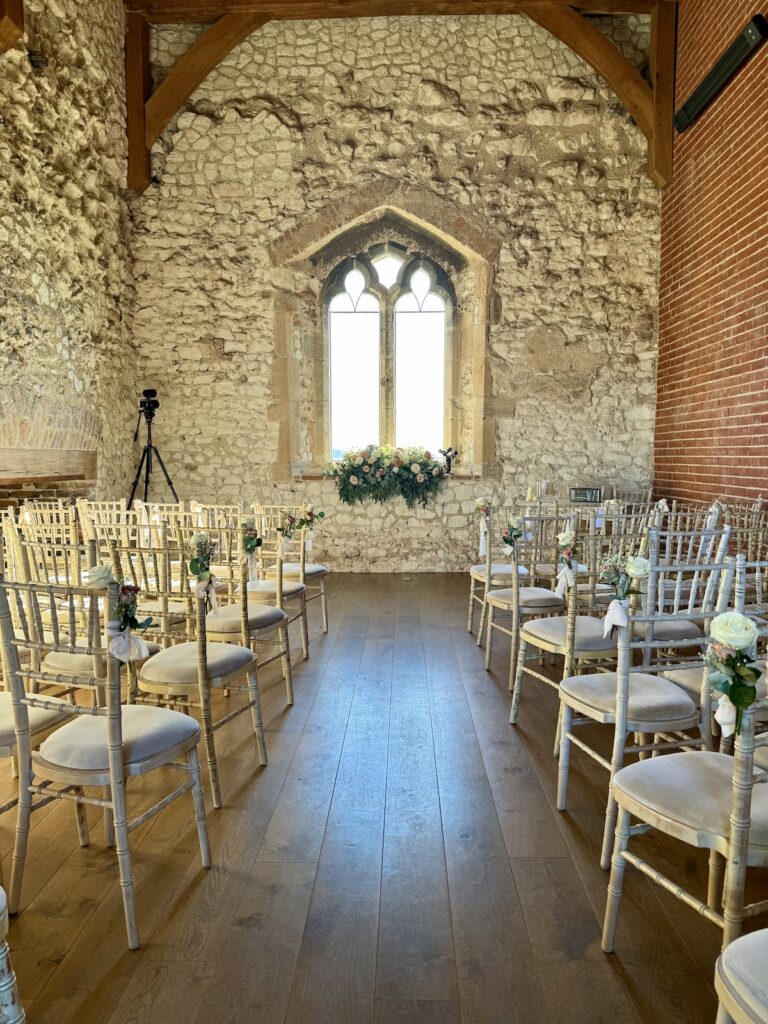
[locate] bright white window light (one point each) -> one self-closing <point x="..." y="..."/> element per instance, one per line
<point x="387" y="268"/>
<point x="354" y="324"/>
<point x="420" y="323"/>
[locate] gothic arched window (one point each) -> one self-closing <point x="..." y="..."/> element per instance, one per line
<point x="388" y="321"/>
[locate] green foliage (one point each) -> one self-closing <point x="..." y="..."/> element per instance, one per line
<point x="380" y="473"/>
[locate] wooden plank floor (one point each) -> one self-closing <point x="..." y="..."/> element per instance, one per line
<point x="400" y="860"/>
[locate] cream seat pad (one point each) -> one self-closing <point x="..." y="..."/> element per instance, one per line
<point x="690" y="680"/>
<point x="692" y="790"/>
<point x="589" y="633"/>
<point x="80" y="664"/>
<point x="266" y="590"/>
<point x="294" y="569"/>
<point x="671" y="629"/>
<point x="227" y="620"/>
<point x="40" y="719"/>
<point x="742" y="971"/>
<point x="499" y="570"/>
<point x="529" y="597"/>
<point x="147" y="731"/>
<point x="178" y="665"/>
<point x="552" y="569"/>
<point x="651" y="699"/>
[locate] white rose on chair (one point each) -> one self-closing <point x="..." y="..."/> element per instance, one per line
<point x="100" y="576"/>
<point x="637" y="567"/>
<point x="565" y="539"/>
<point x="734" y="630"/>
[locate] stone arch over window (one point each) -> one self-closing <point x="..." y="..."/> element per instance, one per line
<point x="311" y="261"/>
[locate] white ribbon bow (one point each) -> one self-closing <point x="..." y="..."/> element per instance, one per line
<point x="565" y="579"/>
<point x="725" y="716"/>
<point x="124" y="645"/>
<point x="207" y="590"/>
<point x="713" y="516"/>
<point x="253" y="566"/>
<point x="616" y="615"/>
<point x="662" y="505"/>
<point x="483" y="549"/>
<point x="308" y="541"/>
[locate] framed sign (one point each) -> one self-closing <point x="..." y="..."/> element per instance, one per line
<point x="586" y="494"/>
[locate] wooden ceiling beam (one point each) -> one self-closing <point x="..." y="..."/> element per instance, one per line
<point x="662" y="71"/>
<point x="194" y="67"/>
<point x="11" y="23"/>
<point x="137" y="88"/>
<point x="600" y="53"/>
<point x="175" y="11"/>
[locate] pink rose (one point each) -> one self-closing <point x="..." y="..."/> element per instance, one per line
<point x="353" y="480"/>
<point x="420" y="478"/>
<point x="366" y="469"/>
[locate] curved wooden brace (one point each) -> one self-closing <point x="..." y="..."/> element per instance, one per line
<point x="599" y="52"/>
<point x="194" y="67"/>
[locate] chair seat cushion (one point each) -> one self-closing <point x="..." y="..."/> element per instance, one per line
<point x="670" y="629"/>
<point x="82" y="744"/>
<point x="690" y="680"/>
<point x="692" y="790"/>
<point x="589" y="633"/>
<point x="651" y="699"/>
<point x="260" y="616"/>
<point x="40" y="719"/>
<point x="742" y="971"/>
<point x="266" y="590"/>
<point x="499" y="571"/>
<point x="529" y="597"/>
<point x="80" y="664"/>
<point x="178" y="665"/>
<point x="553" y="568"/>
<point x="293" y="569"/>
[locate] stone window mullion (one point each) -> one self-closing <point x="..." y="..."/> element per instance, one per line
<point x="387" y="350"/>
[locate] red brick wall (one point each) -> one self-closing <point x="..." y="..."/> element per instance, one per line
<point x="712" y="412"/>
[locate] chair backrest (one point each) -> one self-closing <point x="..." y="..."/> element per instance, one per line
<point x="55" y="524"/>
<point x="86" y="509"/>
<point x="692" y="590"/>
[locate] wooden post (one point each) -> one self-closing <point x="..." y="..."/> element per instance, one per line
<point x="137" y="88"/>
<point x="662" y="67"/>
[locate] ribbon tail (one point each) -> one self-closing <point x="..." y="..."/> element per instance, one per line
<point x="253" y="567"/>
<point x="615" y="616"/>
<point x="483" y="549"/>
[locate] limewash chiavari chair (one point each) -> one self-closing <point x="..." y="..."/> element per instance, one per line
<point x="521" y="602"/>
<point x="185" y="673"/>
<point x="643" y="701"/>
<point x="291" y="595"/>
<point x="312" y="574"/>
<point x="104" y="743"/>
<point x="262" y="625"/>
<point x="740" y="974"/>
<point x="87" y="508"/>
<point x="11" y="1010"/>
<point x="707" y="800"/>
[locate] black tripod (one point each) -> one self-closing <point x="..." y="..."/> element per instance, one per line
<point x="148" y="405"/>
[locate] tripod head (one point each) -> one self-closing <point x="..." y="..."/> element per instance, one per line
<point x="149" y="403"/>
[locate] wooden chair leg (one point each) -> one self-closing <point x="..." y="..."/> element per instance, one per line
<point x="558" y="732"/>
<point x="210" y="748"/>
<point x="11" y="1010"/>
<point x="489" y="637"/>
<point x="258" y="722"/>
<point x="483" y="615"/>
<point x="566" y="725"/>
<point x="715" y="881"/>
<point x="124" y="864"/>
<point x="616" y="882"/>
<point x="109" y="822"/>
<point x="201" y="819"/>
<point x="304" y="622"/>
<point x="285" y="662"/>
<point x="471" y="612"/>
<point x="82" y="821"/>
<point x="324" y="603"/>
<point x="617" y="762"/>
<point x="518" y="682"/>
<point x="20" y="844"/>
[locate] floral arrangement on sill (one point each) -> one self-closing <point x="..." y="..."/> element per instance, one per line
<point x="381" y="473"/>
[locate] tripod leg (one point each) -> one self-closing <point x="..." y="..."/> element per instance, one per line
<point x="135" y="483"/>
<point x="148" y="473"/>
<point x="165" y="472"/>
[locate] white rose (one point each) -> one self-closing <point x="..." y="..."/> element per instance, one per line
<point x="435" y="471"/>
<point x="353" y="480"/>
<point x="309" y="508"/>
<point x="198" y="538"/>
<point x="516" y="522"/>
<point x="100" y="576"/>
<point x="359" y="460"/>
<point x="637" y="567"/>
<point x="734" y="630"/>
<point x="415" y="467"/>
<point x="565" y="539"/>
<point x="395" y="469"/>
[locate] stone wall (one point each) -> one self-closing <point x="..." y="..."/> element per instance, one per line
<point x="66" y="365"/>
<point x="491" y="117"/>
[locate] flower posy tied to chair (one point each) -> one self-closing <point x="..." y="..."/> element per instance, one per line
<point x="307" y="521"/>
<point x="621" y="572"/>
<point x="731" y="660"/>
<point x="512" y="533"/>
<point x="483" y="508"/>
<point x="123" y="645"/>
<point x="251" y="544"/>
<point x="200" y="567"/>
<point x="566" y="546"/>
